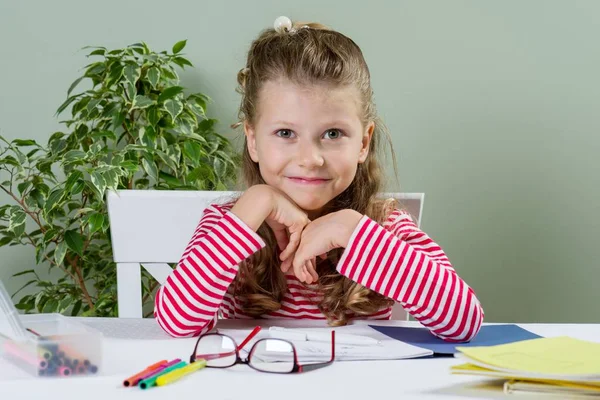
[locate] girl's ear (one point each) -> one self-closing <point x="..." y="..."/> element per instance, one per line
<point x="366" y="142"/>
<point x="251" y="141"/>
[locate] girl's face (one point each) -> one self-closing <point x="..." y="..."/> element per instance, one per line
<point x="308" y="141"/>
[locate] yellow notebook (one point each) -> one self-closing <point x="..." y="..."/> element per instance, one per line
<point x="518" y="387"/>
<point x="544" y="365"/>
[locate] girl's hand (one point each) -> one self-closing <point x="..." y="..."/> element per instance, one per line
<point x="263" y="203"/>
<point x="322" y="235"/>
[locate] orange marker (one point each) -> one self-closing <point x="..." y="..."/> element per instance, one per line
<point x="132" y="379"/>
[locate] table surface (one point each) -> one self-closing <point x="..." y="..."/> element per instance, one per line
<point x="427" y="378"/>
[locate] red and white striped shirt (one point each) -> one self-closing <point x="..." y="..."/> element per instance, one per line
<point x="396" y="260"/>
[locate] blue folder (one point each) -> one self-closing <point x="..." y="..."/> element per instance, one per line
<point x="488" y="335"/>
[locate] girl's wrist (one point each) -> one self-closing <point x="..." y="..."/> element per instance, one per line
<point x="254" y="206"/>
<point x="349" y="220"/>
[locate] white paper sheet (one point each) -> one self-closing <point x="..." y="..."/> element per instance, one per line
<point x="308" y="351"/>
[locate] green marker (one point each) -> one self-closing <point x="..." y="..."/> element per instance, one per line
<point x="151" y="380"/>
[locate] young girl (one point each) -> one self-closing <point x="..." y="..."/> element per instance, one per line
<point x="310" y="238"/>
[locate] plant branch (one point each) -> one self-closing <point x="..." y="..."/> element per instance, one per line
<point x="66" y="271"/>
<point x="150" y="290"/>
<point x="25" y="208"/>
<point x="79" y="280"/>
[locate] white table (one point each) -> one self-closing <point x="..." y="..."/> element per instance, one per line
<point x="371" y="380"/>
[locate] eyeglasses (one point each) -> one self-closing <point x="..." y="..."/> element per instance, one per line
<point x="266" y="355"/>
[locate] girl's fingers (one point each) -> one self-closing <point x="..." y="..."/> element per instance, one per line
<point x="282" y="238"/>
<point x="286" y="264"/>
<point x="293" y="243"/>
<point x="313" y="269"/>
<point x="306" y="278"/>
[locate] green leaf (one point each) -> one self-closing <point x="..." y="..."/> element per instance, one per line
<point x="192" y="151"/>
<point x="77" y="187"/>
<point x="92" y="105"/>
<point x="179" y="46"/>
<point x="153" y="116"/>
<point x="17" y="218"/>
<point x="153" y="76"/>
<point x="76" y="308"/>
<point x="23" y="186"/>
<point x="174" y="108"/>
<point x="118" y="119"/>
<point x="131" y="90"/>
<point x="170" y="179"/>
<point x="73" y="178"/>
<point x="32" y="153"/>
<point x="60" y="252"/>
<point x="74" y="84"/>
<point x="5" y="240"/>
<point x="111" y="179"/>
<point x="129" y="166"/>
<point x="182" y="62"/>
<point x="49" y="235"/>
<point x="98" y="182"/>
<point x="150" y="168"/>
<point x="73" y="156"/>
<point x="220" y="167"/>
<point x="169" y="93"/>
<point x="199" y="172"/>
<point x="24" y="286"/>
<point x="29" y="271"/>
<point x="142" y="183"/>
<point x="51" y="306"/>
<point x="24" y="142"/>
<point x="165" y="159"/>
<point x="95" y="69"/>
<point x="132" y="73"/>
<point x="53" y="198"/>
<point x="74" y="241"/>
<point x="64" y="105"/>
<point x="142" y="102"/>
<point x="95" y="222"/>
<point x="106" y="134"/>
<point x="116" y="72"/>
<point x="99" y="52"/>
<point x="19" y="230"/>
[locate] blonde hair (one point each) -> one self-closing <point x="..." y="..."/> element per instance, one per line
<point x="311" y="54"/>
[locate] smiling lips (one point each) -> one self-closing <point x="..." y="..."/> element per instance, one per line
<point x="302" y="180"/>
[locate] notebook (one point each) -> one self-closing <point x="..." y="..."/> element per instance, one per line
<point x="488" y="335"/>
<point x="557" y="363"/>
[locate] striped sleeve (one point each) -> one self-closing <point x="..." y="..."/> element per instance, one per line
<point x="401" y="262"/>
<point x="188" y="302"/>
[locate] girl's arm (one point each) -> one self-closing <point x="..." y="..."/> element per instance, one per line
<point x="401" y="262"/>
<point x="188" y="302"/>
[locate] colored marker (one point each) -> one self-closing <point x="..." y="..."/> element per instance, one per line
<point x="172" y="376"/>
<point x="64" y="371"/>
<point x="151" y="381"/>
<point x="156" y="372"/>
<point x="133" y="380"/>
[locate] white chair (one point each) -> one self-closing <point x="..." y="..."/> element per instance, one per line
<point x="151" y="228"/>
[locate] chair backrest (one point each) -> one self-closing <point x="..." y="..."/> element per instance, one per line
<point x="153" y="227"/>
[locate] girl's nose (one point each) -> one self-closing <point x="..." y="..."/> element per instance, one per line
<point x="309" y="156"/>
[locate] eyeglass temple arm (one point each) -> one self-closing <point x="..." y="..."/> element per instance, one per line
<point x="249" y="337"/>
<point x="311" y="367"/>
<point x="208" y="357"/>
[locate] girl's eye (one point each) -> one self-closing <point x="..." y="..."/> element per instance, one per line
<point x="333" y="134"/>
<point x="285" y="133"/>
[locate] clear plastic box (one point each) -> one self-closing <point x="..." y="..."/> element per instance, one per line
<point x="48" y="345"/>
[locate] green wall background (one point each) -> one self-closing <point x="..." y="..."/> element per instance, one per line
<point x="493" y="107"/>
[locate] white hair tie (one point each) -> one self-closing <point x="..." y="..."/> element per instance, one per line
<point x="284" y="25"/>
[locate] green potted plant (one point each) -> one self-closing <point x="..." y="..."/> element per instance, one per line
<point x="132" y="127"/>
